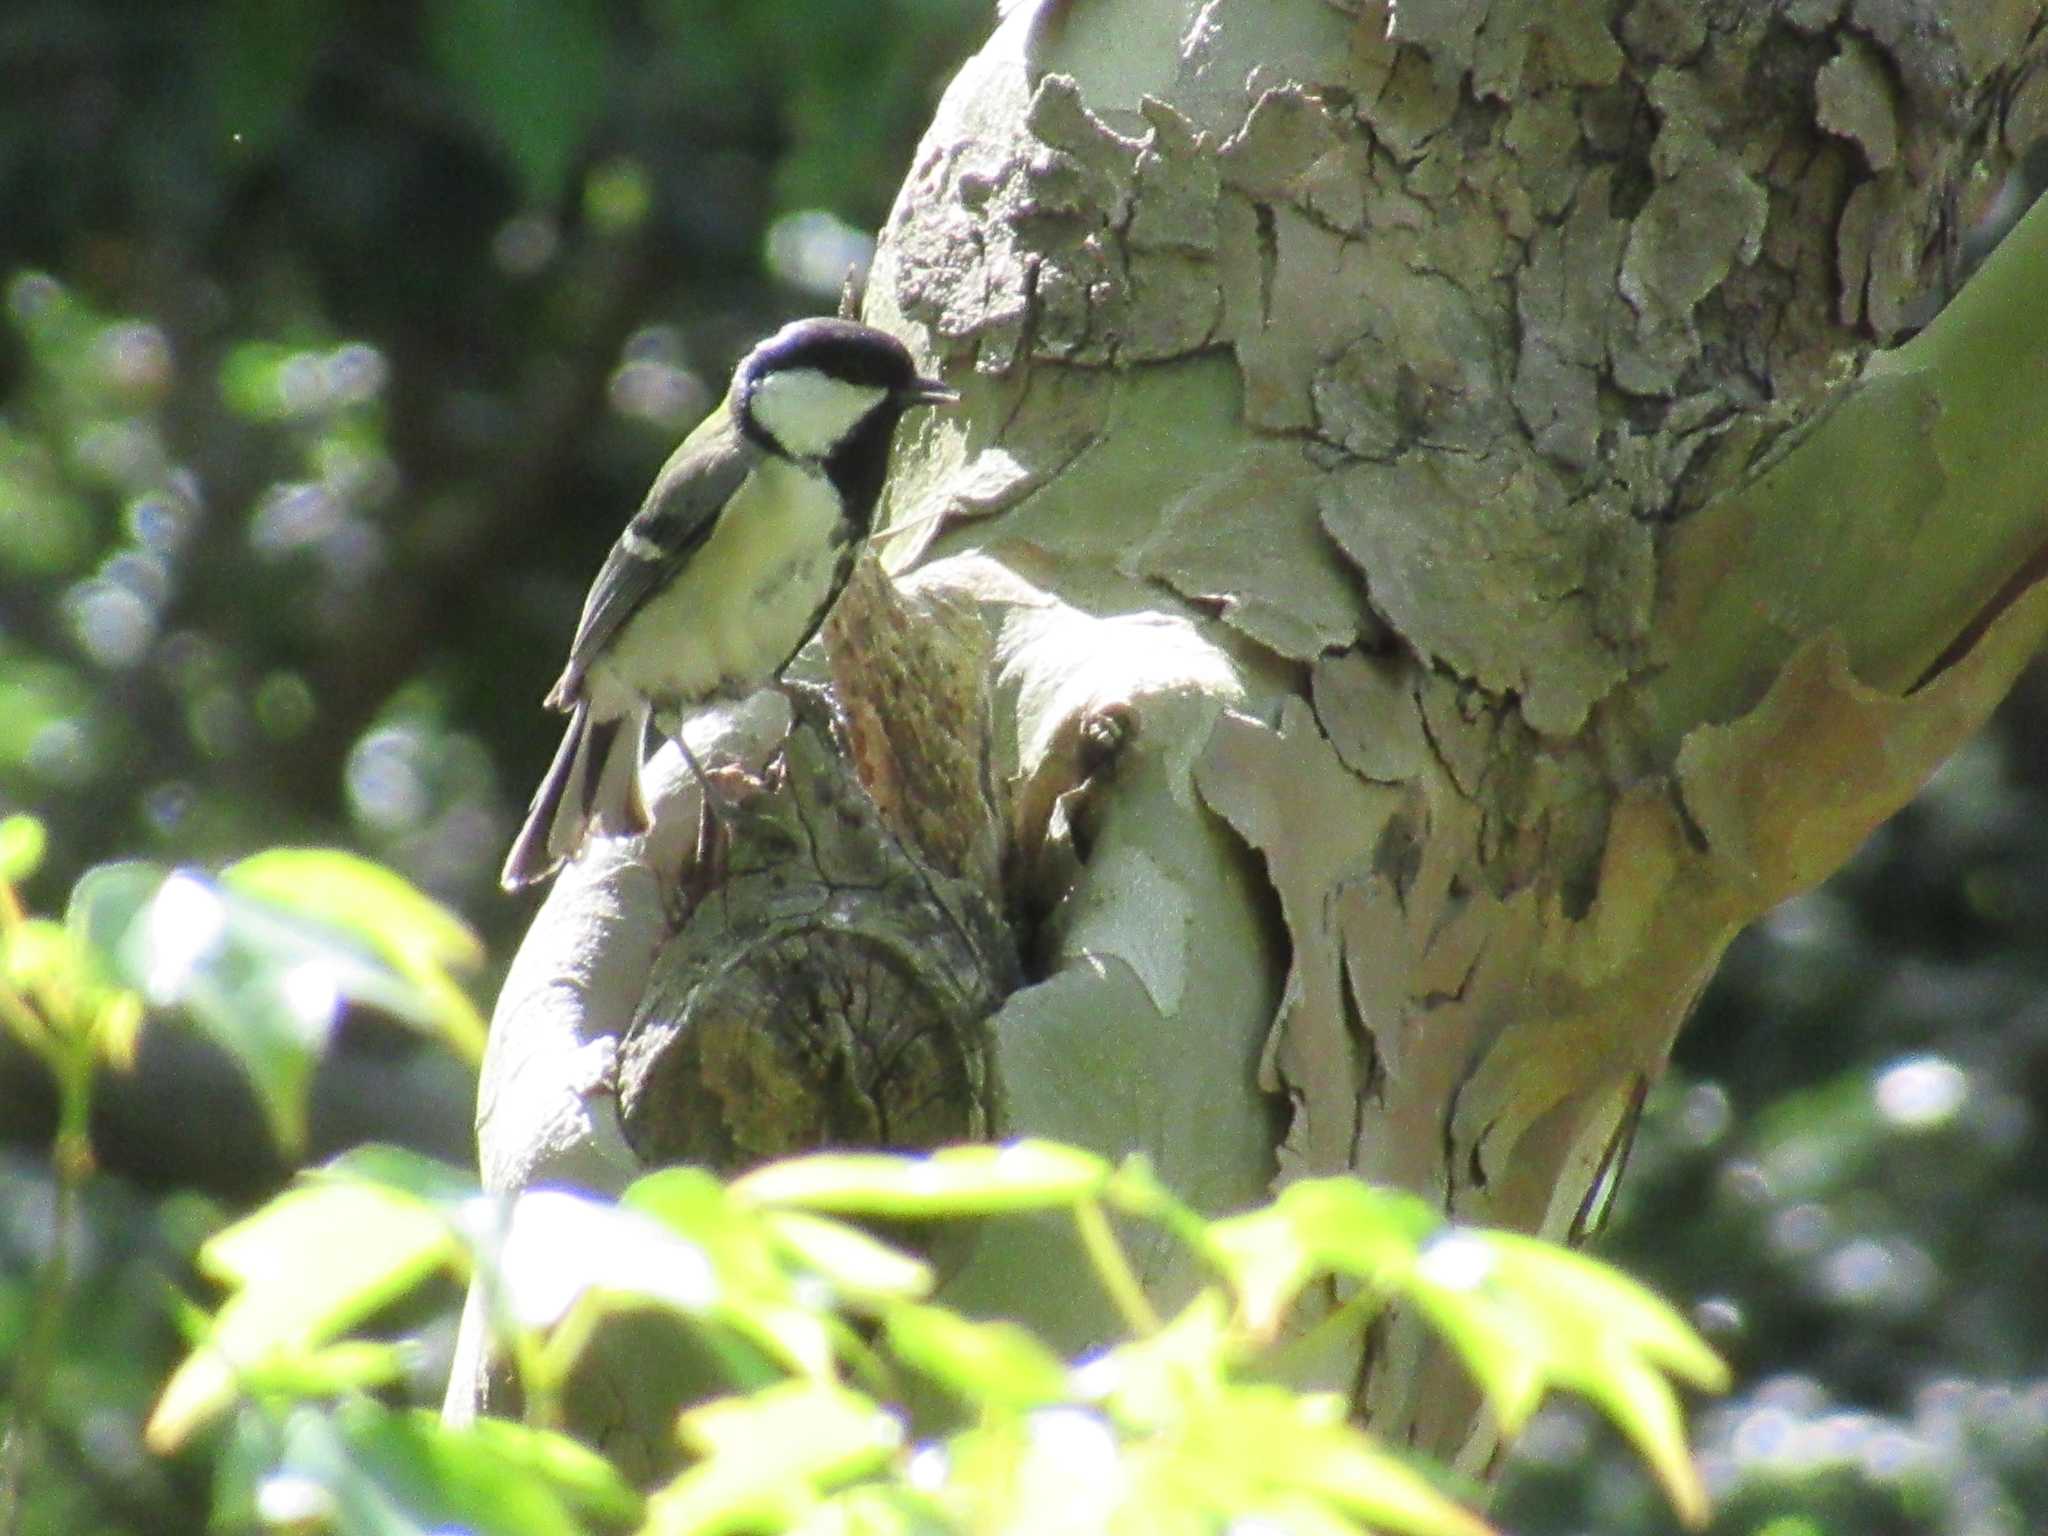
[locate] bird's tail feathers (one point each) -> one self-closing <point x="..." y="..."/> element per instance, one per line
<point x="593" y="785"/>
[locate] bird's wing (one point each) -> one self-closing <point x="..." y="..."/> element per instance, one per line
<point x="678" y="515"/>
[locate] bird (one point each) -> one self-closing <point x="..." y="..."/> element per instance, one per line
<point x="728" y="568"/>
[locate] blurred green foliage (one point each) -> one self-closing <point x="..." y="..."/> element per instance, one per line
<point x="336" y="338"/>
<point x="844" y="1399"/>
<point x="817" y="1327"/>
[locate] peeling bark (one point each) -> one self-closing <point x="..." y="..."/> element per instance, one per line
<point x="1454" y="545"/>
<point x="1460" y="373"/>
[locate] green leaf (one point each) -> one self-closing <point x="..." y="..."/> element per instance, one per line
<point x="859" y="1267"/>
<point x="1565" y="1283"/>
<point x="22" y="844"/>
<point x="1505" y="1354"/>
<point x="586" y="1481"/>
<point x="262" y="966"/>
<point x="567" y="1262"/>
<point x="880" y="1509"/>
<point x="557" y="1246"/>
<point x="1642" y="1404"/>
<point x="1059" y="1472"/>
<point x="999" y="1364"/>
<point x="367" y="1470"/>
<point x="955" y="1181"/>
<point x="318" y="1259"/>
<point x="1605" y="1337"/>
<point x="1298" y="1445"/>
<point x="175" y="939"/>
<point x="769" y="1457"/>
<point x="352" y="1365"/>
<point x="751" y="1291"/>
<point x="105" y="904"/>
<point x="426" y="1179"/>
<point x="1525" y="1315"/>
<point x="1148" y="1382"/>
<point x="1318" y="1226"/>
<point x="1267" y="1263"/>
<point x="697" y="1206"/>
<point x="1293" y="1514"/>
<point x="1356" y="1228"/>
<point x="416" y="936"/>
<point x="534" y="73"/>
<point x="40" y="954"/>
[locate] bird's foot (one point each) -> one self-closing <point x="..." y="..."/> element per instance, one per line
<point x="711" y="861"/>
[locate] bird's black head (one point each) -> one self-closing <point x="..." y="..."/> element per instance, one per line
<point x="818" y="388"/>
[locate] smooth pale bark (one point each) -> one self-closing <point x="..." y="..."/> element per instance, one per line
<point x="1453" y="552"/>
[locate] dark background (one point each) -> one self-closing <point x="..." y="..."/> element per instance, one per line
<point x="337" y="340"/>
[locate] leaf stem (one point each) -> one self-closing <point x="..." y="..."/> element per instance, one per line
<point x="1113" y="1265"/>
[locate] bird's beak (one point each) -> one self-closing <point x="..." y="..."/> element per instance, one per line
<point x="930" y="392"/>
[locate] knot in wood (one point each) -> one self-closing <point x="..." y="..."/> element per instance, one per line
<point x="833" y="992"/>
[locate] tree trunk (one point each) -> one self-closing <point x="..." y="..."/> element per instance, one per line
<point x="1454" y="550"/>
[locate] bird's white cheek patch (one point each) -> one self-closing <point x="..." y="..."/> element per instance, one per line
<point x="809" y="412"/>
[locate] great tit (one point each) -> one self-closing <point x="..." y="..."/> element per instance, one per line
<point x="727" y="569"/>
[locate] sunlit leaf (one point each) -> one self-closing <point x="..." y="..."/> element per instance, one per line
<point x="40" y="954"/>
<point x="1318" y="1226"/>
<point x="1060" y="1469"/>
<point x="881" y="1509"/>
<point x="168" y="935"/>
<point x="1267" y="1263"/>
<point x="426" y="1179"/>
<point x="995" y="1364"/>
<point x="352" y="1365"/>
<point x="367" y="1470"/>
<point x="254" y="972"/>
<point x="1263" y="1440"/>
<point x="417" y="937"/>
<point x="1641" y="1402"/>
<point x="316" y="1260"/>
<point x="106" y="902"/>
<point x="751" y="1292"/>
<point x="696" y="1205"/>
<point x="859" y="1267"/>
<point x="768" y="1457"/>
<point x="1356" y="1228"/>
<point x="54" y="1001"/>
<point x="324" y="1253"/>
<point x="1566" y="1282"/>
<point x="1289" y="1513"/>
<point x="117" y="1027"/>
<point x="1507" y="1357"/>
<point x="558" y="1246"/>
<point x="22" y="844"/>
<point x="1149" y="1381"/>
<point x="1526" y="1316"/>
<point x="1593" y="1330"/>
<point x="591" y="1483"/>
<point x="955" y="1181"/>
